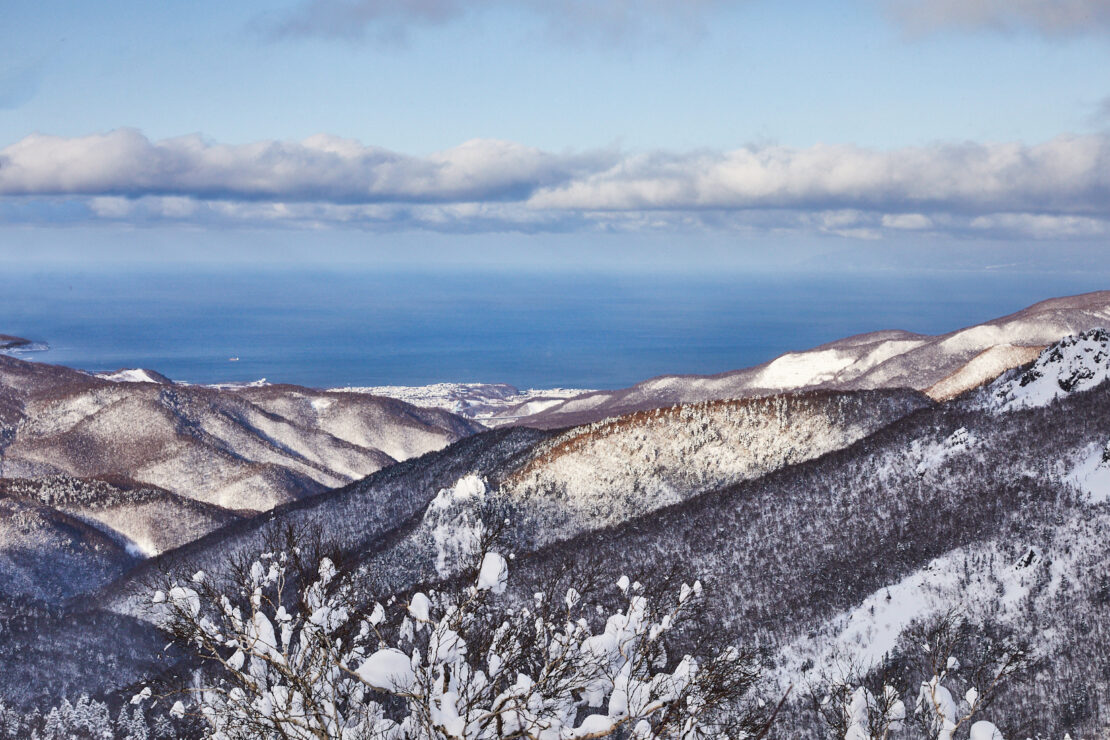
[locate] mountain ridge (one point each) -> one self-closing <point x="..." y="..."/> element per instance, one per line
<point x="248" y="448"/>
<point x="880" y="359"/>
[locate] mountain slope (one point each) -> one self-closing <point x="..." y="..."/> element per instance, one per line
<point x="938" y="510"/>
<point x="605" y="473"/>
<point x="145" y="520"/>
<point x="251" y="448"/>
<point x="46" y="555"/>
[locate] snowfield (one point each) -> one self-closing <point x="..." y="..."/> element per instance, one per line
<point x="134" y="375"/>
<point x="1092" y="473"/>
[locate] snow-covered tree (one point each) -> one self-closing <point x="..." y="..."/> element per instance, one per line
<point x="857" y="704"/>
<point x="292" y="658"/>
<point x="85" y="719"/>
<point x="937" y="704"/>
<point x="944" y="704"/>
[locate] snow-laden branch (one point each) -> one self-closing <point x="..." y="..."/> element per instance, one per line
<point x="312" y="663"/>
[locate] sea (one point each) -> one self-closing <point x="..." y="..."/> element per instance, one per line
<point x="533" y="329"/>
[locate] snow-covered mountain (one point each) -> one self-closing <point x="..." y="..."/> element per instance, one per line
<point x="493" y="404"/>
<point x="97" y="473"/>
<point x="1075" y="363"/>
<point x="144" y="520"/>
<point x="943" y="366"/>
<point x="250" y="448"/>
<point x="825" y="524"/>
<point x="602" y="474"/>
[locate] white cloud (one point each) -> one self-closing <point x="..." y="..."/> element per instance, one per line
<point x="1069" y="174"/>
<point x="1040" y="225"/>
<point x="1057" y="189"/>
<point x="320" y="168"/>
<point x="907" y="221"/>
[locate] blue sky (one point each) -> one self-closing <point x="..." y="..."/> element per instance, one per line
<point x="747" y="132"/>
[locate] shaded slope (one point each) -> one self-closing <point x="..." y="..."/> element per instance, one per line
<point x="146" y="520"/>
<point x="46" y="555"/>
<point x="234" y="448"/>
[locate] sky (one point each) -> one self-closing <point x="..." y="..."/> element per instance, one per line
<point x="662" y="134"/>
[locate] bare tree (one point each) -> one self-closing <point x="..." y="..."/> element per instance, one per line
<point x="857" y="703"/>
<point x="979" y="667"/>
<point x="292" y="648"/>
<point x="954" y="668"/>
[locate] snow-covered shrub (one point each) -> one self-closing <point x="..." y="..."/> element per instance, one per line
<point x="859" y="714"/>
<point x="965" y="677"/>
<point x="310" y="661"/>
<point x="856" y="704"/>
<point x="945" y="703"/>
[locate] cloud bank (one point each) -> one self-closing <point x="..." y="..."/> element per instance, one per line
<point x="322" y="168"/>
<point x="1059" y="188"/>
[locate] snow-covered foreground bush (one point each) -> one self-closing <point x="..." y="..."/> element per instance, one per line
<point x="945" y="704"/>
<point x="295" y="657"/>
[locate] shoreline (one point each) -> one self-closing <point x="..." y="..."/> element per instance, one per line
<point x="8" y="341"/>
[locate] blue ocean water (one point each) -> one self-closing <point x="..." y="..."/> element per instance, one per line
<point x="335" y="328"/>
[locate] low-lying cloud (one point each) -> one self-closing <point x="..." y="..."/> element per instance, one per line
<point x="320" y="168"/>
<point x="1059" y="188"/>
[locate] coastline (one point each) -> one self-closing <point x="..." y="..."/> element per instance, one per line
<point x="7" y="341"/>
